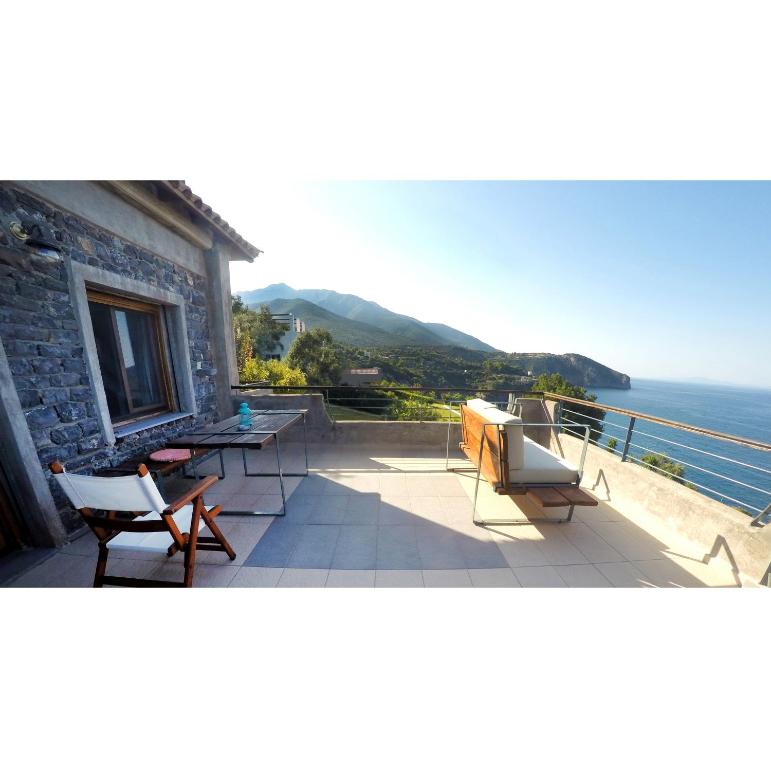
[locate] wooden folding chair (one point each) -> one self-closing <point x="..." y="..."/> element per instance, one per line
<point x="155" y="527"/>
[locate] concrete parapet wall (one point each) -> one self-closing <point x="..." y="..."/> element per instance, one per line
<point x="322" y="430"/>
<point x="721" y="530"/>
<point x="406" y="434"/>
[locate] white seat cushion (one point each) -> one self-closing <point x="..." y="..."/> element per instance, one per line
<point x="512" y="425"/>
<point x="156" y="541"/>
<point x="542" y="466"/>
<point x="478" y="405"/>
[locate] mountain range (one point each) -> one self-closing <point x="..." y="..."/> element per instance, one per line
<point x="364" y="324"/>
<point x="371" y="325"/>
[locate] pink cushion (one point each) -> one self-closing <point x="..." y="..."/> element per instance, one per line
<point x="171" y="454"/>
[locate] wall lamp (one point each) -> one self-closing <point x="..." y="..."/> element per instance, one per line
<point x="36" y="240"/>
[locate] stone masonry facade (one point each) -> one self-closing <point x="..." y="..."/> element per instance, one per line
<point x="45" y="348"/>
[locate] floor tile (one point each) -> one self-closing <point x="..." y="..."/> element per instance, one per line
<point x="396" y="510"/>
<point x="556" y="548"/>
<point x="55" y="572"/>
<point x="447" y="578"/>
<point x="356" y="548"/>
<point x="329" y="511"/>
<point x="398" y="578"/>
<point x="623" y="575"/>
<point x="351" y="578"/>
<point x="481" y="554"/>
<point x="397" y="548"/>
<point x="203" y="576"/>
<point x="256" y="577"/>
<point x="667" y="574"/>
<point x="538" y="576"/>
<point x="582" y="576"/>
<point x="493" y="577"/>
<point x="242" y="537"/>
<point x="315" y="547"/>
<point x="447" y="486"/>
<point x="517" y="552"/>
<point x="629" y="540"/>
<point x="276" y="545"/>
<point x="362" y="509"/>
<point x="591" y="545"/>
<point x="439" y="548"/>
<point x="303" y="577"/>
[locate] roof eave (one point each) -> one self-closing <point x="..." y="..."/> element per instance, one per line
<point x="245" y="250"/>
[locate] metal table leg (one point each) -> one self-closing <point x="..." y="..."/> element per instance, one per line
<point x="247" y="473"/>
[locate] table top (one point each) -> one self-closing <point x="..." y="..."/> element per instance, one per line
<point x="266" y="425"/>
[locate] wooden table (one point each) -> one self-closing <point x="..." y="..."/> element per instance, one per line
<point x="266" y="426"/>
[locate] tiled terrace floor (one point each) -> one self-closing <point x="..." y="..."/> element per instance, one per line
<point x="374" y="516"/>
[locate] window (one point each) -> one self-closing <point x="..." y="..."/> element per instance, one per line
<point x="131" y="348"/>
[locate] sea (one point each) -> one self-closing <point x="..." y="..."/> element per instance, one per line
<point x="736" y="475"/>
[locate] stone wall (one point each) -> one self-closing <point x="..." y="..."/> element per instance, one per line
<point x="45" y="348"/>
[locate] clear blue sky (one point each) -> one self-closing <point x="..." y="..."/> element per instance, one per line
<point x="655" y="279"/>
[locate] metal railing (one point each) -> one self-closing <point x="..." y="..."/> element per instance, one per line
<point x="679" y="460"/>
<point x="392" y="403"/>
<point x="697" y="463"/>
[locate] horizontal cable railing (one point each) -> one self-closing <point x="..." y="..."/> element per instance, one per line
<point x="742" y="486"/>
<point x="391" y="402"/>
<point x="676" y="459"/>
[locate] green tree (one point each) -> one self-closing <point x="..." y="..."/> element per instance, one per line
<point x="275" y="372"/>
<point x="663" y="465"/>
<point x="267" y="332"/>
<point x="578" y="413"/>
<point x="257" y="334"/>
<point x="612" y="443"/>
<point x="316" y="354"/>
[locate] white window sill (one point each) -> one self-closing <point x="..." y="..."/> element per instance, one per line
<point x="148" y="423"/>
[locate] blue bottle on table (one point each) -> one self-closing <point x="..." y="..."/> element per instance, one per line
<point x="245" y="414"/>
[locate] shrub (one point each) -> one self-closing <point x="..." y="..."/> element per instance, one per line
<point x="275" y="372"/>
<point x="663" y="465"/>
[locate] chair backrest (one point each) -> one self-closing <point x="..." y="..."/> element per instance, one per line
<point x="111" y="495"/>
<point x="510" y="424"/>
<point x="132" y="493"/>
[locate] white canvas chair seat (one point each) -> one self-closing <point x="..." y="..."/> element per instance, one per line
<point x="158" y="541"/>
<point x="540" y="465"/>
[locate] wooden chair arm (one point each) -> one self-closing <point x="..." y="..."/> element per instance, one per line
<point x="190" y="496"/>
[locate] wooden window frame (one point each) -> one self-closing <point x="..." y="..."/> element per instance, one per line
<point x="116" y="301"/>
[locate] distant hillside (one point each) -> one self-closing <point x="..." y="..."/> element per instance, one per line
<point x="351" y="307"/>
<point x="458" y="367"/>
<point x="412" y="352"/>
<point x="577" y="369"/>
<point x="458" y="338"/>
<point x="345" y="331"/>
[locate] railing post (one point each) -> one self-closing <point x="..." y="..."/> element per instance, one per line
<point x="628" y="438"/>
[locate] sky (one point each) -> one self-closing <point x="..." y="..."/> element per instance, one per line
<point x="654" y="279"/>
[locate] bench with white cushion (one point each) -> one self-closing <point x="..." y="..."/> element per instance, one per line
<point x="495" y="442"/>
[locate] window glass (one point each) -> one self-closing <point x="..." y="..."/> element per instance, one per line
<point x="129" y="348"/>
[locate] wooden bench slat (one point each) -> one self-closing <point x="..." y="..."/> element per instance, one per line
<point x="547" y="497"/>
<point x="578" y="497"/>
